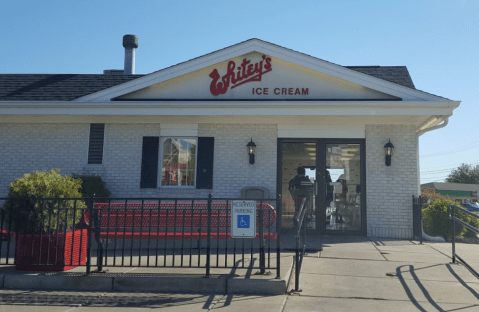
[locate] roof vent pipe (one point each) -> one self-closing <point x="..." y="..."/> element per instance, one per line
<point x="130" y="43"/>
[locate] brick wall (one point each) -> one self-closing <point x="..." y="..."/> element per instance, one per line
<point x="121" y="170"/>
<point x="122" y="160"/>
<point x="390" y="189"/>
<point x="232" y="170"/>
<point x="28" y="147"/>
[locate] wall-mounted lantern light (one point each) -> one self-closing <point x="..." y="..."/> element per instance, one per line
<point x="251" y="148"/>
<point x="388" y="149"/>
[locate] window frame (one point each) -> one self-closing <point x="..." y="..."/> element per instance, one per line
<point x="160" y="160"/>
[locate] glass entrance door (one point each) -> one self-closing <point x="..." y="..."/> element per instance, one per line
<point x="343" y="204"/>
<point x="328" y="176"/>
<point x="298" y="180"/>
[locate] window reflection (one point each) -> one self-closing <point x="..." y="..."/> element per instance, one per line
<point x="179" y="162"/>
<point x="343" y="190"/>
<point x="298" y="178"/>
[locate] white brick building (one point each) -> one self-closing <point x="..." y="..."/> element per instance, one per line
<point x="181" y="132"/>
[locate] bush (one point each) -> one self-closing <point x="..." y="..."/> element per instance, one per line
<point x="36" y="216"/>
<point x="92" y="185"/>
<point x="475" y="223"/>
<point x="437" y="223"/>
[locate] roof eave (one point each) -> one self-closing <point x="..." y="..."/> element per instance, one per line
<point x="344" y="108"/>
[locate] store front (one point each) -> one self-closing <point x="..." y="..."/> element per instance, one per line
<point x="182" y="132"/>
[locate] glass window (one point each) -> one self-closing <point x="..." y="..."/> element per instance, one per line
<point x="178" y="162"/>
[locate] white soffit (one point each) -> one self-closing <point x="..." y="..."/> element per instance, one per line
<point x="322" y="131"/>
<point x="269" y="50"/>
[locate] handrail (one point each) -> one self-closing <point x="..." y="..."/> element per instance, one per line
<point x="417" y="217"/>
<point x="300" y="251"/>
<point x="452" y="208"/>
<point x="299" y="218"/>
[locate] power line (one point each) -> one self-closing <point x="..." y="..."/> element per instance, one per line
<point x="438" y="171"/>
<point x="443" y="169"/>
<point x="451" y="151"/>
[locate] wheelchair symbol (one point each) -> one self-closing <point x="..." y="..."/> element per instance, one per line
<point x="243" y="221"/>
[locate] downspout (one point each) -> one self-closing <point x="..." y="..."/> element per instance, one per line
<point x="419" y="133"/>
<point x="444" y="123"/>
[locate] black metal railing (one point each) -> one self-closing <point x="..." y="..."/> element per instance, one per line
<point x="55" y="233"/>
<point x="300" y="233"/>
<point x="417" y="217"/>
<point x="452" y="212"/>
<point x="41" y="232"/>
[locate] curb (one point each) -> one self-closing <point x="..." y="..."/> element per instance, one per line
<point x="80" y="283"/>
<point x="167" y="283"/>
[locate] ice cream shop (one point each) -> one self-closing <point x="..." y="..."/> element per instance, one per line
<point x="252" y="120"/>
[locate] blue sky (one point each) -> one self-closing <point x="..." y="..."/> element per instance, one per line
<point x="437" y="40"/>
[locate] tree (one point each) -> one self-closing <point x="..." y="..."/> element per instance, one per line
<point x="464" y="174"/>
<point x="429" y="195"/>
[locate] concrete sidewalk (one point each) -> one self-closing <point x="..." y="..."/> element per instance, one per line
<point x="385" y="275"/>
<point x="350" y="274"/>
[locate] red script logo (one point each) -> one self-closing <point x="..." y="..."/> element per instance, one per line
<point x="246" y="72"/>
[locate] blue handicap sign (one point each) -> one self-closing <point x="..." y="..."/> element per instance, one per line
<point x="243" y="221"/>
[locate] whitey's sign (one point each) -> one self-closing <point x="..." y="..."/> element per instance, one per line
<point x="249" y="72"/>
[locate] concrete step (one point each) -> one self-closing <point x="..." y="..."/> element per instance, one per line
<point x="239" y="281"/>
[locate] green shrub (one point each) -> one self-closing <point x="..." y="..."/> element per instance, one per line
<point x="92" y="185"/>
<point x="475" y="223"/>
<point x="25" y="211"/>
<point x="437" y="223"/>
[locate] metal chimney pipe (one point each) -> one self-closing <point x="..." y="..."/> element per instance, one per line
<point x="130" y="43"/>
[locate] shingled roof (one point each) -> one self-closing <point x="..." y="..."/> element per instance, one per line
<point x="55" y="87"/>
<point x="67" y="87"/>
<point x="396" y="74"/>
